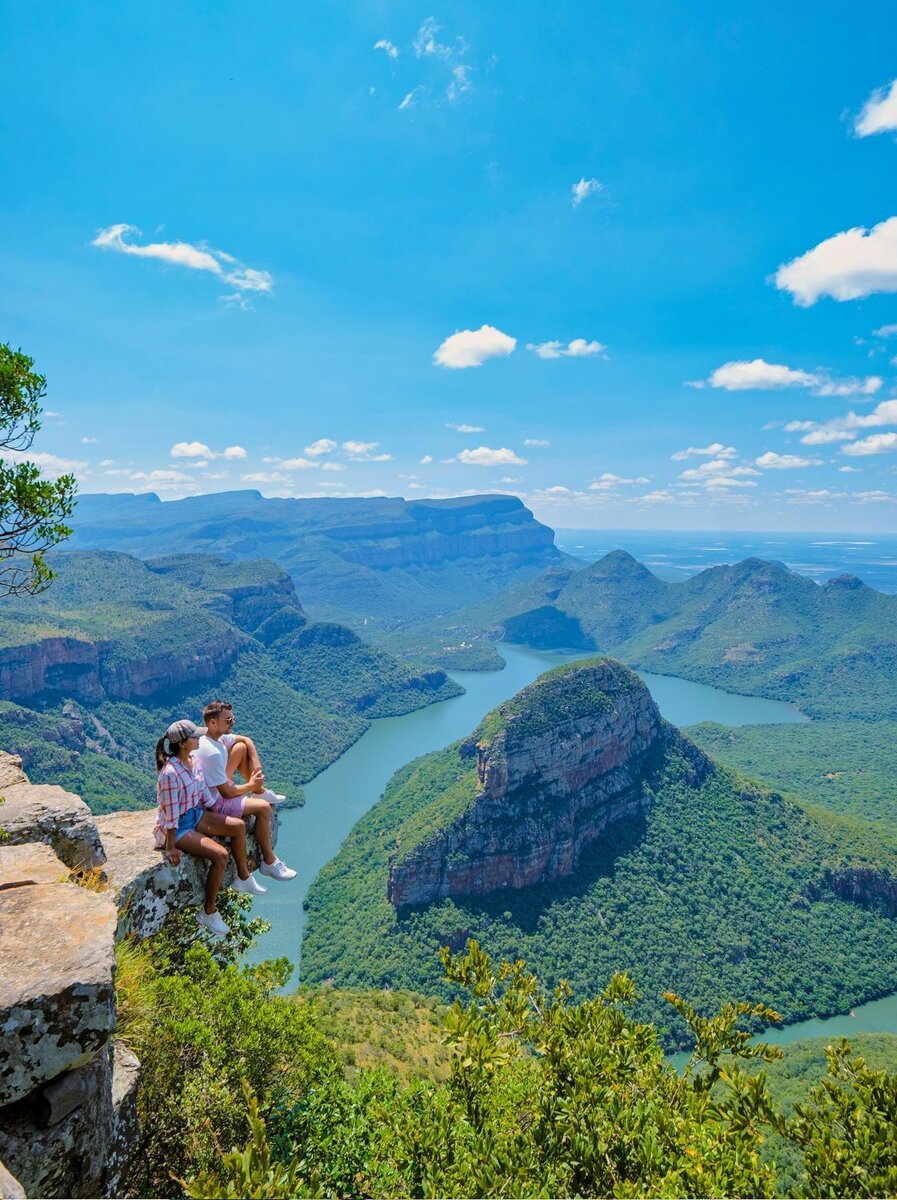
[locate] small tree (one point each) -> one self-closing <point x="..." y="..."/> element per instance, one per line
<point x="33" y="510"/>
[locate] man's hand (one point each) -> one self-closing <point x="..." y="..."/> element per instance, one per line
<point x="257" y="779"/>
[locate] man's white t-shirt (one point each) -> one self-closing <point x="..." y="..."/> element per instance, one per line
<point x="211" y="758"/>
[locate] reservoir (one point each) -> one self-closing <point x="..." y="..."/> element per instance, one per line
<point x="335" y="799"/>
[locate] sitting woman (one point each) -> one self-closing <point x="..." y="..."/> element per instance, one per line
<point x="186" y="825"/>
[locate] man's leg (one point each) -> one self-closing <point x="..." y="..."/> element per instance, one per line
<point x="243" y="759"/>
<point x="261" y="810"/>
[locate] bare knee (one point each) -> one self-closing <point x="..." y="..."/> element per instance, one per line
<point x="220" y="856"/>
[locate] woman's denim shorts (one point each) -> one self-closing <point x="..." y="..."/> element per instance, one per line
<point x="188" y="822"/>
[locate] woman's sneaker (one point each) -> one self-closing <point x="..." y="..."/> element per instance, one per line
<point x="277" y="870"/>
<point x="249" y="884"/>
<point x="212" y="922"/>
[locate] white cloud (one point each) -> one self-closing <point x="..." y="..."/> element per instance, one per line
<point x="51" y="464"/>
<point x="411" y="97"/>
<point x="578" y="348"/>
<point x="510" y="479"/>
<point x="850" y="470"/>
<point x="664" y="496"/>
<point x="781" y="462"/>
<point x="183" y="254"/>
<point x="465" y="428"/>
<point x="732" y="480"/>
<point x="759" y="375"/>
<point x="848" y="266"/>
<point x="714" y="450"/>
<point x="234" y="452"/>
<point x="585" y="188"/>
<point x="876" y="443"/>
<point x="536" y="442"/>
<point x="387" y="45"/>
<point x="879" y="114"/>
<point x="843" y="429"/>
<point x="333" y="466"/>
<point x="364" y="452"/>
<point x="608" y="481"/>
<point x="426" y="44"/>
<point x="161" y="476"/>
<point x="485" y="456"/>
<point x="473" y="347"/>
<point x="107" y="462"/>
<point x="296" y="464"/>
<point x="198" y="464"/>
<point x="426" y="460"/>
<point x="825" y="437"/>
<point x="460" y="82"/>
<point x="714" y="468"/>
<point x="265" y="477"/>
<point x="885" y="331"/>
<point x="191" y="450"/>
<point x="88" y="441"/>
<point x="321" y="446"/>
<point x="875" y="498"/>
<point x="813" y="495"/>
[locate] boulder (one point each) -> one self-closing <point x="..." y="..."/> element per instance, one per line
<point x="145" y="885"/>
<point x="10" y="1188"/>
<point x="57" y="1001"/>
<point x="33" y="862"/>
<point x="33" y="812"/>
<point x="85" y="1148"/>
<point x="11" y="770"/>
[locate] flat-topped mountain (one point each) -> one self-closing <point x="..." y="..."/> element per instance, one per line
<point x="577" y="830"/>
<point x="753" y="627"/>
<point x="94" y="668"/>
<point x="385" y="560"/>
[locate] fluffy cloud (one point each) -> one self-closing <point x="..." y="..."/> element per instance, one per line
<point x="233" y="452"/>
<point x="364" y="452"/>
<point x="844" y="429"/>
<point x="485" y="456"/>
<point x="536" y="442"/>
<point x="759" y="375"/>
<point x="464" y="428"/>
<point x="51" y="464"/>
<point x="191" y="450"/>
<point x="473" y="347"/>
<point x="608" y="482"/>
<point x="460" y="82"/>
<point x="321" y="446"/>
<point x="885" y="331"/>
<point x="718" y="472"/>
<point x="848" y="266"/>
<point x="876" y="443"/>
<point x="578" y="348"/>
<point x="879" y="114"/>
<point x="88" y="441"/>
<point x="295" y="464"/>
<point x="411" y="98"/>
<point x="183" y="254"/>
<point x="426" y="460"/>
<point x="781" y="462"/>
<point x="333" y="466"/>
<point x="426" y="44"/>
<point x="386" y="44"/>
<point x="582" y="190"/>
<point x="714" y="450"/>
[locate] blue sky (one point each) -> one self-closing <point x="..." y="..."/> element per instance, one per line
<point x="665" y="234"/>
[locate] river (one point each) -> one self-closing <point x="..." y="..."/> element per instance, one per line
<point x="335" y="799"/>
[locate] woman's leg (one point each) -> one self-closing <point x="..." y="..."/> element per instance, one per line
<point x="260" y="809"/>
<point x="229" y="827"/>
<point x="205" y="847"/>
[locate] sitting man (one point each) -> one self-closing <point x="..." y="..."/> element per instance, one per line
<point x="217" y="756"/>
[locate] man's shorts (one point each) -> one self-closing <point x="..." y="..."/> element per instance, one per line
<point x="229" y="808"/>
<point x="188" y="822"/>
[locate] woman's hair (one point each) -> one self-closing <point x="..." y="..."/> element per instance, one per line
<point x="163" y="754"/>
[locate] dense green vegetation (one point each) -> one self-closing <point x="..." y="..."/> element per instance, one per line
<point x="716" y="892"/>
<point x="304" y="691"/>
<point x="543" y="1095"/>
<point x="846" y="766"/>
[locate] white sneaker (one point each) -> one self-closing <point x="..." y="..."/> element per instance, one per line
<point x="250" y="884"/>
<point x="277" y="870"/>
<point x="212" y="922"/>
<point x="271" y="797"/>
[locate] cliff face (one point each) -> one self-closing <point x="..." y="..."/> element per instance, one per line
<point x="567" y="757"/>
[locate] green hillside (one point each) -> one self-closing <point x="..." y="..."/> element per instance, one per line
<point x="720" y="890"/>
<point x="754" y="627"/>
<point x="92" y="670"/>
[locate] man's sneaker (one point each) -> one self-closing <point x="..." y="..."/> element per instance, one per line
<point x="271" y="797"/>
<point x="278" y="870"/>
<point x="212" y="922"/>
<point x="249" y="884"/>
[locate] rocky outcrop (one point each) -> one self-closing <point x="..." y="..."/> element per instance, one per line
<point x="57" y="1005"/>
<point x="46" y="813"/>
<point x="568" y="756"/>
<point x="93" y="671"/>
<point x="68" y="1089"/>
<point x="145" y="885"/>
<point x="864" y="885"/>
